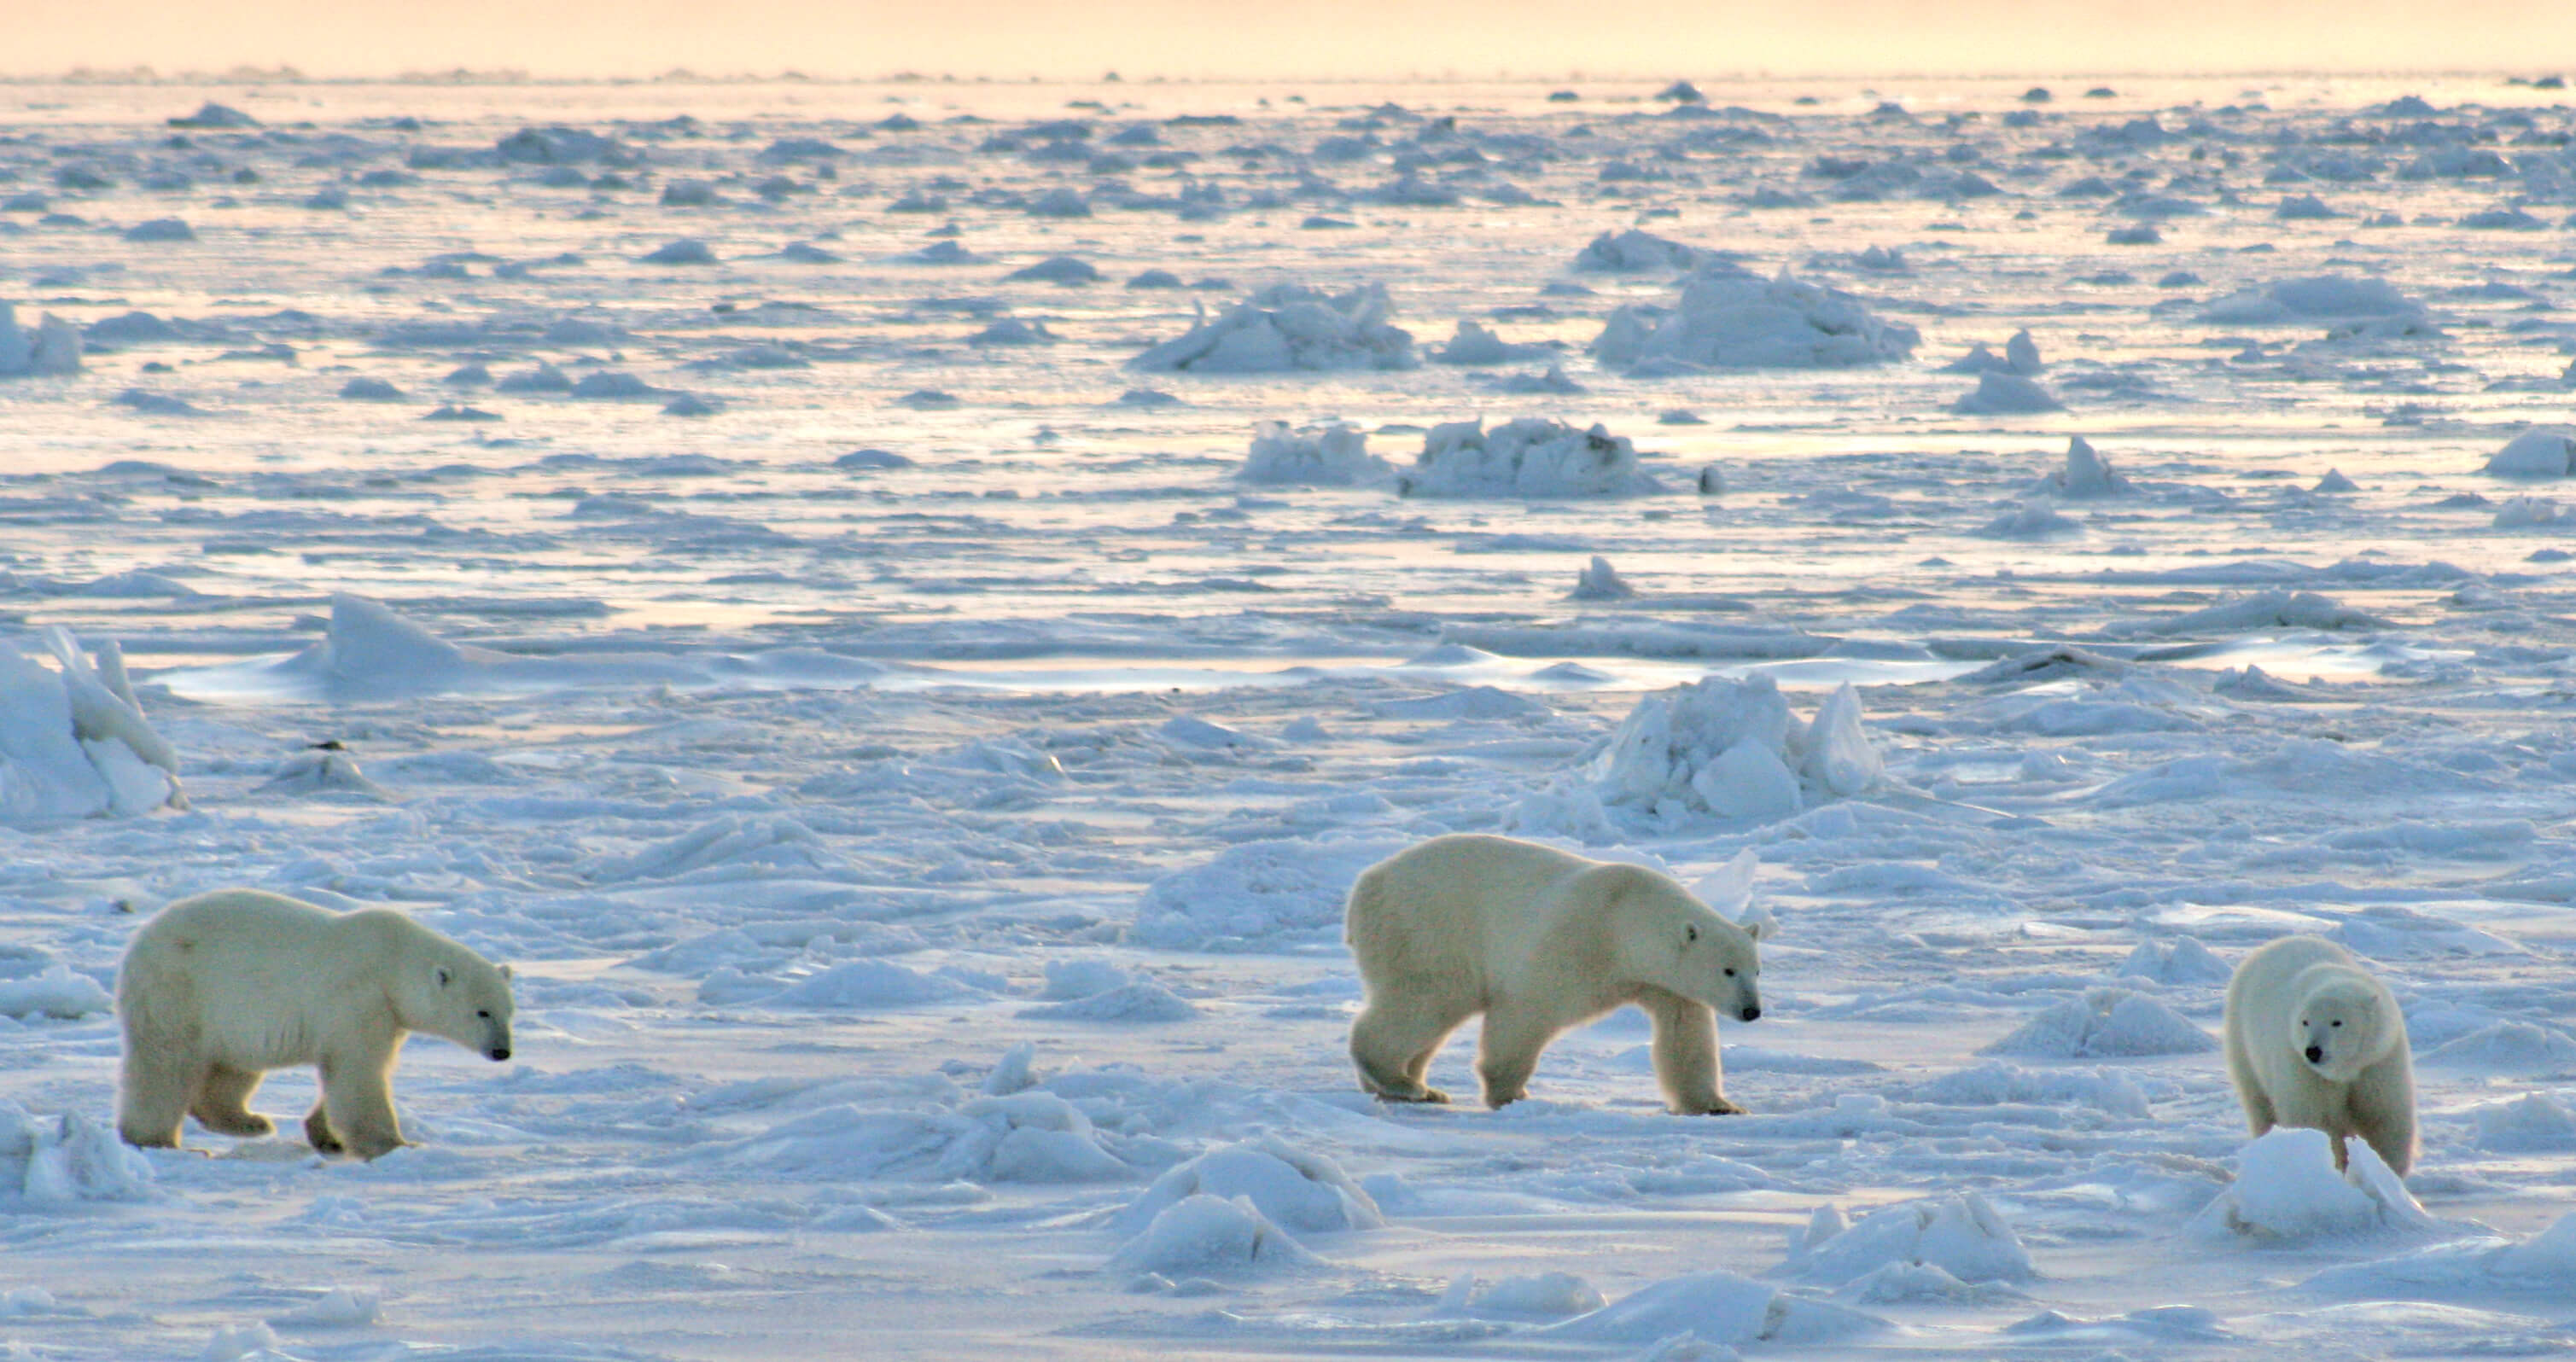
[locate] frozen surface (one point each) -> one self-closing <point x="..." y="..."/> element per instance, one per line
<point x="884" y="604"/>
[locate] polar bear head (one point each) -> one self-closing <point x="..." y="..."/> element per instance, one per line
<point x="2340" y="1030"/>
<point x="454" y="994"/>
<point x="1665" y="937"/>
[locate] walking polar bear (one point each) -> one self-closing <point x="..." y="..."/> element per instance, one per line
<point x="217" y="989"/>
<point x="1538" y="940"/>
<point x="2313" y="1040"/>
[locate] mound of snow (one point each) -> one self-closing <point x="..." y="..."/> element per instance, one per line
<point x="2000" y="394"/>
<point x="1731" y="748"/>
<point x="1058" y="269"/>
<point x="74" y="742"/>
<point x="1334" y="455"/>
<point x="1529" y="457"/>
<point x="1140" y="1001"/>
<point x="2105" y="1022"/>
<point x="2546" y="452"/>
<point x="2182" y="960"/>
<point x="2511" y="1047"/>
<point x="2086" y="474"/>
<point x="2328" y="297"/>
<point x="1306" y="1192"/>
<point x="1477" y="344"/>
<point x="1202" y="1234"/>
<point x="1258" y="895"/>
<point x="1032" y="1136"/>
<point x="57" y="993"/>
<point x="1543" y="1296"/>
<point x="1994" y="1084"/>
<point x="2269" y="610"/>
<point x="2287" y="1188"/>
<point x="51" y="350"/>
<point x="2544" y="1263"/>
<point x="2531" y="1124"/>
<point x="2030" y="520"/>
<point x="53" y="1164"/>
<point x="1289" y="327"/>
<point x="1718" y="1308"/>
<point x="1633" y="250"/>
<point x="1961" y="1235"/>
<point x="870" y="984"/>
<point x="1727" y="319"/>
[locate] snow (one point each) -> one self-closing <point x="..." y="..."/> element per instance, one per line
<point x="917" y="793"/>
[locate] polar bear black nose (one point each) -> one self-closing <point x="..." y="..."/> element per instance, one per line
<point x="1753" y="1014"/>
<point x="502" y="1054"/>
<point x="2316" y="1053"/>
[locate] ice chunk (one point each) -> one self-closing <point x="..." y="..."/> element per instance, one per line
<point x="1600" y="582"/>
<point x="2287" y="1188"/>
<point x="57" y="993"/>
<point x="1727" y="319"/>
<point x="1635" y="250"/>
<point x="2086" y="475"/>
<point x="1476" y="344"/>
<point x="73" y="743"/>
<point x="1334" y="455"/>
<point x="52" y="350"/>
<point x="1730" y="748"/>
<point x="1529" y="457"/>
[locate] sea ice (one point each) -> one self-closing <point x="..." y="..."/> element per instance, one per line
<point x="1728" y="319"/>
<point x="1289" y="327"/>
<point x="1528" y="457"/>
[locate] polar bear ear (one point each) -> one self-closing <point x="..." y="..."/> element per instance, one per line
<point x="445" y="978"/>
<point x="505" y="971"/>
<point x="1760" y="926"/>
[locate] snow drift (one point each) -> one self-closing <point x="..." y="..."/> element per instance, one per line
<point x="1728" y="319"/>
<point x="1289" y="327"/>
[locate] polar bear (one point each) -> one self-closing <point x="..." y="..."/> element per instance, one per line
<point x="2314" y="1040"/>
<point x="218" y="988"/>
<point x="1538" y="940"/>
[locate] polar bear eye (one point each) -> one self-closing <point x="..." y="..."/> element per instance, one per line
<point x="1730" y="974"/>
<point x="2335" y="1023"/>
<point x="485" y="1014"/>
<point x="443" y="977"/>
<point x="1691" y="932"/>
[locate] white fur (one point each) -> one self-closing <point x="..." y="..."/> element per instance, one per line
<point x="2304" y="991"/>
<point x="218" y="989"/>
<point x="1537" y="940"/>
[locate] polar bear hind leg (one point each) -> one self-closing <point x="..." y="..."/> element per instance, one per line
<point x="1686" y="1056"/>
<point x="1393" y="1040"/>
<point x="223" y="1103"/>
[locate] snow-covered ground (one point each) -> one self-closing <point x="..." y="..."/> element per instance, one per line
<point x="784" y="566"/>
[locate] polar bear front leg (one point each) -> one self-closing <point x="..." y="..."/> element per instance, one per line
<point x="1507" y="1052"/>
<point x="1687" y="1065"/>
<point x="358" y="1104"/>
<point x="2259" y="1116"/>
<point x="223" y="1103"/>
<point x="2383" y="1112"/>
<point x="152" y="1094"/>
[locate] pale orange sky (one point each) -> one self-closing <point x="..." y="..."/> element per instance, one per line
<point x="1300" y="38"/>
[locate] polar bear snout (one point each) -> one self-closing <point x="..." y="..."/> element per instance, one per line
<point x="1752" y="1012"/>
<point x="2316" y="1054"/>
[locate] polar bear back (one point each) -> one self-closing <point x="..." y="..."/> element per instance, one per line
<point x="258" y="980"/>
<point x="1464" y="908"/>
